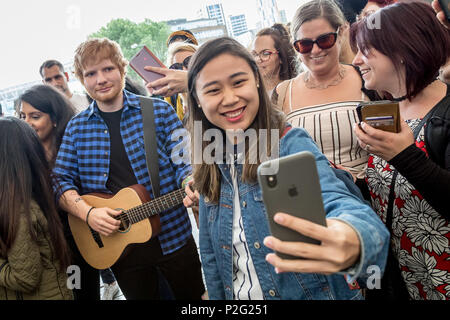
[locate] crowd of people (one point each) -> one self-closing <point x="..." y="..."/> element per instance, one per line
<point x="384" y="193"/>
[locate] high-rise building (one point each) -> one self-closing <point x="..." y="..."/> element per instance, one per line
<point x="238" y="25"/>
<point x="203" y="29"/>
<point x="215" y="11"/>
<point x="283" y="17"/>
<point x="268" y="13"/>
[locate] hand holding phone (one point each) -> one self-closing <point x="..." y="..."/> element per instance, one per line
<point x="295" y="190"/>
<point x="382" y="115"/>
<point x="143" y="59"/>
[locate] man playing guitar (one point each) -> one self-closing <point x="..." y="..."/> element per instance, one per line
<point x="103" y="152"/>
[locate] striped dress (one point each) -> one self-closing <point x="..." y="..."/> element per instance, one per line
<point x="331" y="126"/>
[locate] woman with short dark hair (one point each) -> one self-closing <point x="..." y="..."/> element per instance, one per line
<point x="409" y="190"/>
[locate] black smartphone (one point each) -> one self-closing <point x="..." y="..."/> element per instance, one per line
<point x="293" y="188"/>
<point x="445" y="5"/>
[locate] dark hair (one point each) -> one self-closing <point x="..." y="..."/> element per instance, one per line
<point x="1" y="110"/>
<point x="288" y="57"/>
<point x="351" y="8"/>
<point x="24" y="176"/>
<point x="49" y="100"/>
<point x="206" y="176"/>
<point x="50" y="63"/>
<point x="422" y="45"/>
<point x="183" y="35"/>
<point x="383" y="3"/>
<point x="134" y="87"/>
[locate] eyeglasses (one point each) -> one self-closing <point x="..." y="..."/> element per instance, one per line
<point x="179" y="66"/>
<point x="264" y="55"/>
<point x="324" y="41"/>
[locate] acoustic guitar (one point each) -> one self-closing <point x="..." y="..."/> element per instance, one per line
<point x="139" y="222"/>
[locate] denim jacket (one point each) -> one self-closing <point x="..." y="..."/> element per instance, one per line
<point x="216" y="225"/>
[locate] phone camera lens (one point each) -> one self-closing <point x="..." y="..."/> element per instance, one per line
<point x="272" y="181"/>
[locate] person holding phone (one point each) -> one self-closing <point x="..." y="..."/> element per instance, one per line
<point x="227" y="94"/>
<point x="178" y="56"/>
<point x="402" y="61"/>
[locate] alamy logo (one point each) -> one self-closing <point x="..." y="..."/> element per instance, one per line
<point x="220" y="145"/>
<point x="73" y="277"/>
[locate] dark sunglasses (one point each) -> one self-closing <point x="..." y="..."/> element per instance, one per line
<point x="324" y="41"/>
<point x="179" y="66"/>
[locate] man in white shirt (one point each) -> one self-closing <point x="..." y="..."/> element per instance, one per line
<point x="52" y="73"/>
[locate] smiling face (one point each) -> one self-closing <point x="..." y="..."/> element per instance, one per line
<point x="104" y="82"/>
<point x="38" y="120"/>
<point x="319" y="61"/>
<point x="227" y="92"/>
<point x="379" y="72"/>
<point x="270" y="67"/>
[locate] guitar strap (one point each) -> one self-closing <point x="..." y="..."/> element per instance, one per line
<point x="151" y="150"/>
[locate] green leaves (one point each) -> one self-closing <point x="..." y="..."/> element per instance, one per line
<point x="132" y="36"/>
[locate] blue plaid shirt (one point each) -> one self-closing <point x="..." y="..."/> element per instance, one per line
<point x="83" y="160"/>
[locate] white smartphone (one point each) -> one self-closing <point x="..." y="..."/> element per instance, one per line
<point x="294" y="189"/>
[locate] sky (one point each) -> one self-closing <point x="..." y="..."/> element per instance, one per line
<point x="34" y="31"/>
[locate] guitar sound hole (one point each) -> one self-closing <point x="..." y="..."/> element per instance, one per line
<point x="124" y="222"/>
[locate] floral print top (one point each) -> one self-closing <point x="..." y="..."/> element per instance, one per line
<point x="420" y="236"/>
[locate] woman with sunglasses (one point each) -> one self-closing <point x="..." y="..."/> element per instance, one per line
<point x="323" y="99"/>
<point x="402" y="61"/>
<point x="275" y="56"/>
<point x="178" y="57"/>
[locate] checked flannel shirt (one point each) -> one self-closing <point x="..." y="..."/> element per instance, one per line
<point x="83" y="160"/>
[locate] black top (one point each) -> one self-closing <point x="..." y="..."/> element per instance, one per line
<point x="121" y="173"/>
<point x="430" y="179"/>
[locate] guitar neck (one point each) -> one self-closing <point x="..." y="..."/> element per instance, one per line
<point x="155" y="206"/>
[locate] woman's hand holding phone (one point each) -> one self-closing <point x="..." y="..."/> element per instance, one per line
<point x="174" y="82"/>
<point x="340" y="247"/>
<point x="384" y="144"/>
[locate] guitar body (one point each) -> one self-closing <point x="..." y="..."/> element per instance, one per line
<point x="102" y="252"/>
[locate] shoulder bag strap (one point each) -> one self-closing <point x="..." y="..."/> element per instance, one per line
<point x="151" y="150"/>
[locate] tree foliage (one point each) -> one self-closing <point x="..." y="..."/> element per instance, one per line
<point x="132" y="36"/>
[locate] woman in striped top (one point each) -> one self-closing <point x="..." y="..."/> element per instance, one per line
<point x="323" y="99"/>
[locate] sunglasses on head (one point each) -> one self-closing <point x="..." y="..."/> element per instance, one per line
<point x="324" y="41"/>
<point x="179" y="66"/>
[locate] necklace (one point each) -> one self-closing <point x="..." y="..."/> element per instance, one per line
<point x="335" y="82"/>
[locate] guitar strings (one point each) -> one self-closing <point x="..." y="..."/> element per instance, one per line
<point x="161" y="204"/>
